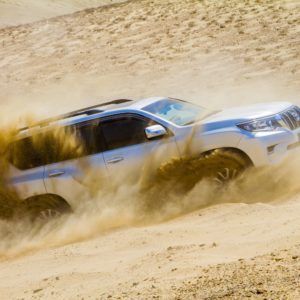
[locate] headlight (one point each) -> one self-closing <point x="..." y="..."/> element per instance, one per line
<point x="295" y="113"/>
<point x="265" y="124"/>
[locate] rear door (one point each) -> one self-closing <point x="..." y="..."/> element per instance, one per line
<point x="129" y="156"/>
<point x="79" y="177"/>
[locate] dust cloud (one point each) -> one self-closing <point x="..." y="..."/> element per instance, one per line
<point x="178" y="187"/>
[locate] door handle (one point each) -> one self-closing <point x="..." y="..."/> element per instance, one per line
<point x="56" y="173"/>
<point x="115" y="160"/>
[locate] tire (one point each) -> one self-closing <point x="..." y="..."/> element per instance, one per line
<point x="45" y="207"/>
<point x="225" y="165"/>
<point x="220" y="165"/>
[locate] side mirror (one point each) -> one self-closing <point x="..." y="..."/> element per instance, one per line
<point x="155" y="131"/>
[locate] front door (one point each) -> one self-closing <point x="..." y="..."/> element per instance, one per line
<point x="129" y="156"/>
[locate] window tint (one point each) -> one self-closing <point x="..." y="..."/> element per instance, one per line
<point x="55" y="146"/>
<point x="124" y="131"/>
<point x="23" y="154"/>
<point x="90" y="137"/>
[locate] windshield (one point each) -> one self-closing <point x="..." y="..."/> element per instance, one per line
<point x="177" y="111"/>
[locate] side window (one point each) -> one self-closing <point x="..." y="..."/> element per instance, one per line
<point x="124" y="131"/>
<point x="45" y="148"/>
<point x="90" y="137"/>
<point x="54" y="146"/>
<point x="23" y="155"/>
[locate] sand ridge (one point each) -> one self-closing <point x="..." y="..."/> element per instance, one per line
<point x="16" y="12"/>
<point x="200" y="46"/>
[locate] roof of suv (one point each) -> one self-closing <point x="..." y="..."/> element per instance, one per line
<point x="95" y="109"/>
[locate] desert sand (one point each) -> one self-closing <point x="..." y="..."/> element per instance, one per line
<point x="16" y="12"/>
<point x="242" y="243"/>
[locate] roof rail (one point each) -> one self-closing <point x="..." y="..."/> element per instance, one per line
<point x="90" y="110"/>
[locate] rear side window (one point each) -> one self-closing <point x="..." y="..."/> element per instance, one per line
<point x="23" y="155"/>
<point x="124" y="131"/>
<point x="90" y="138"/>
<point x="55" y="146"/>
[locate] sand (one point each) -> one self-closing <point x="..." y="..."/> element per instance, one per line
<point x="16" y="12"/>
<point x="215" y="53"/>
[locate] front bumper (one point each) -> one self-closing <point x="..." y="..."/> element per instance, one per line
<point x="269" y="148"/>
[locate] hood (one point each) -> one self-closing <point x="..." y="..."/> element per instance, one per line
<point x="250" y="112"/>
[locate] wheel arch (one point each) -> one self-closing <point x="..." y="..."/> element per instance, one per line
<point x="236" y="151"/>
<point x="49" y="198"/>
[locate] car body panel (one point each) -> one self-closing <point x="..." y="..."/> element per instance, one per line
<point x="249" y="112"/>
<point x="256" y="146"/>
<point x="76" y="179"/>
<point x="133" y="163"/>
<point x="27" y="183"/>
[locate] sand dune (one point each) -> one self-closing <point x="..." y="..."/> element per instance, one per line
<point x="15" y="12"/>
<point x="243" y="243"/>
<point x="199" y="51"/>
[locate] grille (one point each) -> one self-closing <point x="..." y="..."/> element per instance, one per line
<point x="291" y="118"/>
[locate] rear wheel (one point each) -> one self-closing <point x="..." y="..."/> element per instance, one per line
<point x="48" y="214"/>
<point x="45" y="207"/>
<point x="226" y="175"/>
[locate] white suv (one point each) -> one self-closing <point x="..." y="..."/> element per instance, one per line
<point x="123" y="138"/>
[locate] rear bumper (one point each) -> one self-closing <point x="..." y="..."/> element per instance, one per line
<point x="269" y="148"/>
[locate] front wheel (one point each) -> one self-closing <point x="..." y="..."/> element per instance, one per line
<point x="181" y="175"/>
<point x="226" y="165"/>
